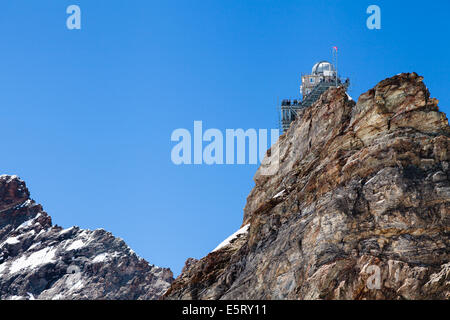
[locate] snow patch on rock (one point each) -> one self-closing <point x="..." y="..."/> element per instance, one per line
<point x="228" y="240"/>
<point x="41" y="257"/>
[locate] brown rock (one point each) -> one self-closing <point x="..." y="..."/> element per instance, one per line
<point x="365" y="208"/>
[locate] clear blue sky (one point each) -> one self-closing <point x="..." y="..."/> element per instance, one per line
<point x="86" y="116"/>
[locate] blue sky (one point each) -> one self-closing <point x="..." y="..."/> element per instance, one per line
<point x="87" y="114"/>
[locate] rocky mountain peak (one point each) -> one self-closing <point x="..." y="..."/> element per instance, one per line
<point x="18" y="210"/>
<point x="41" y="261"/>
<point x="358" y="207"/>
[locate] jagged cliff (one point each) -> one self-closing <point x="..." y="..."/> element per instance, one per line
<point x="42" y="261"/>
<point x="358" y="208"/>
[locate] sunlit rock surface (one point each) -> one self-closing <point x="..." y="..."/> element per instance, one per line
<point x="358" y="208"/>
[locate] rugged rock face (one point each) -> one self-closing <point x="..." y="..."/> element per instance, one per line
<point x="42" y="261"/>
<point x="358" y="208"/>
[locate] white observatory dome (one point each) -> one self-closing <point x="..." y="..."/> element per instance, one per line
<point x="321" y="67"/>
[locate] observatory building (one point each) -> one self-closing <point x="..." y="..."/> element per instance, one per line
<point x="322" y="77"/>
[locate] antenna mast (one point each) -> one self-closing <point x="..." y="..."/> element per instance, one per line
<point x="335" y="58"/>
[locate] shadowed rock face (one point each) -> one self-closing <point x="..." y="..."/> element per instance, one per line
<point x="358" y="208"/>
<point x="42" y="261"/>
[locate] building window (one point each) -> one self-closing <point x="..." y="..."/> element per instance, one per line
<point x="311" y="80"/>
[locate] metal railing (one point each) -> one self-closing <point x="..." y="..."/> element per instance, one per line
<point x="289" y="108"/>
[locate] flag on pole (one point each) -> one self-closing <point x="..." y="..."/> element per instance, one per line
<point x="335" y="48"/>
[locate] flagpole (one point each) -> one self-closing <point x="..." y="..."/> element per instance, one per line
<point x="335" y="54"/>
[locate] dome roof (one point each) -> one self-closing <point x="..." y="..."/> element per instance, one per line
<point x="322" y="66"/>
